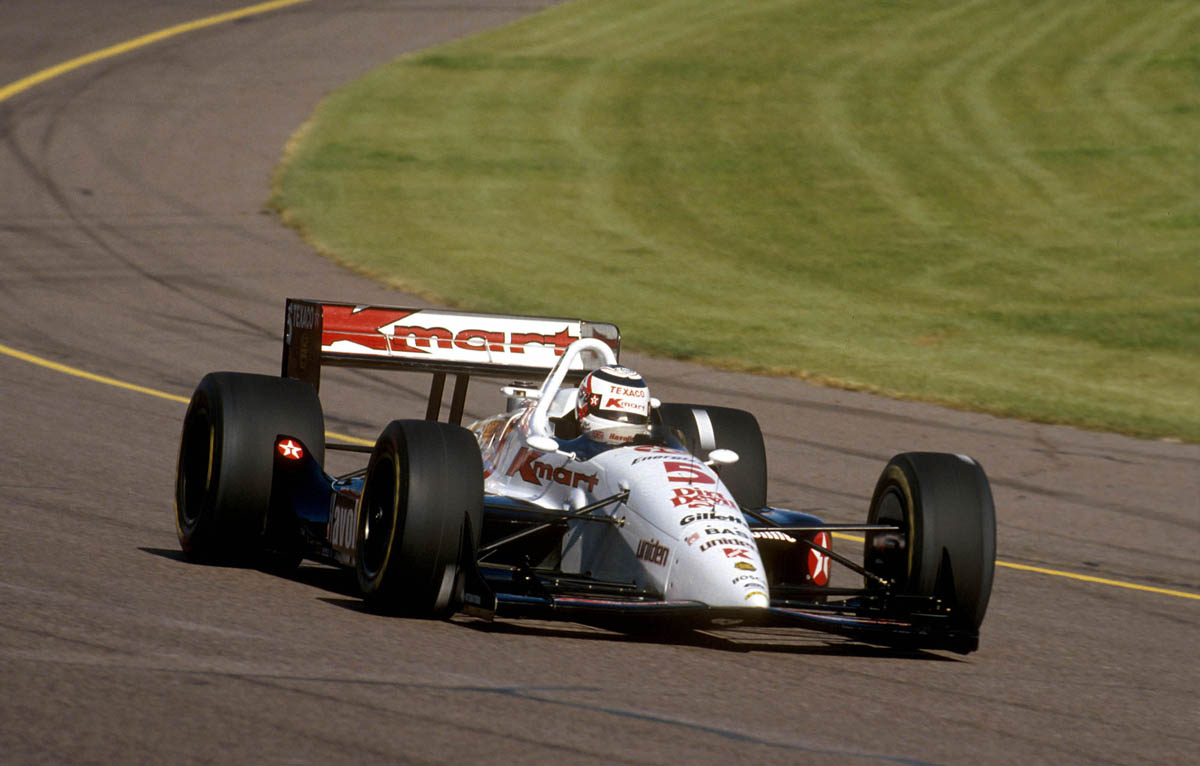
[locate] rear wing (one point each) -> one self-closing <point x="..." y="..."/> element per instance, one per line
<point x="520" y="348"/>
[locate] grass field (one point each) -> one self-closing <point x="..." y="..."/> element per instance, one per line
<point x="993" y="204"/>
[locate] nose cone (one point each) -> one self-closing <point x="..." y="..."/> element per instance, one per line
<point x="722" y="576"/>
<point x="757" y="599"/>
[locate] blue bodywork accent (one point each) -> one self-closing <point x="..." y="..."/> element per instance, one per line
<point x="783" y="518"/>
<point x="303" y="487"/>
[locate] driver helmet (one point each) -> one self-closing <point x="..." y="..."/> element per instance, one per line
<point x="613" y="405"/>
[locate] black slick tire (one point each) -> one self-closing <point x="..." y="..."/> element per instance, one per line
<point x="421" y="513"/>
<point x="946" y="547"/>
<point x="226" y="453"/>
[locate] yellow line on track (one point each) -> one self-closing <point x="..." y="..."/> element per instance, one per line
<point x="57" y="367"/>
<point x="12" y="89"/>
<point x="349" y="439"/>
<point x="1070" y="575"/>
<point x="1100" y="580"/>
<point x="66" y="370"/>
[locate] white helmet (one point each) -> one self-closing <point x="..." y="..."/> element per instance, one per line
<point x="613" y="405"/>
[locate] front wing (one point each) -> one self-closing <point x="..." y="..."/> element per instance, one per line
<point x="635" y="615"/>
<point x="497" y="595"/>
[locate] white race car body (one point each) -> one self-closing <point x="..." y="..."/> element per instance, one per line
<point x="520" y="515"/>
<point x="681" y="535"/>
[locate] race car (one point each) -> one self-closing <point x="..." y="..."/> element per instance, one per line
<point x="586" y="499"/>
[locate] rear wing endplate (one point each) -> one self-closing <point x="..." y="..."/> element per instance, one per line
<point x="519" y="348"/>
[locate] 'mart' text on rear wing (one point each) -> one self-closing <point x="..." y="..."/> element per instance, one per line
<point x="324" y="333"/>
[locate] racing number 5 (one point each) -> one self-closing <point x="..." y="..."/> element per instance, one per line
<point x="678" y="470"/>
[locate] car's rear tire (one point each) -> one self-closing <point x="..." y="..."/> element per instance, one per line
<point x="946" y="547"/>
<point x="421" y="514"/>
<point x="226" y="454"/>
<point x="706" y="428"/>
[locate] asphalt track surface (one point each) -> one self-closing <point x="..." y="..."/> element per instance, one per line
<point x="135" y="245"/>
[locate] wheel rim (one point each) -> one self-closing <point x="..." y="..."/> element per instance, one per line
<point x="380" y="496"/>
<point x="196" y="466"/>
<point x="887" y="552"/>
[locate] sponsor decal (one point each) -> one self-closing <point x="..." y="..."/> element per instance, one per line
<point x="754" y="593"/>
<point x="386" y="330"/>
<point x="302" y="316"/>
<point x="361" y="326"/>
<point x="769" y="534"/>
<point x="695" y="497"/>
<point x="691" y="517"/>
<point x="722" y="541"/>
<point x="736" y="553"/>
<point x="818" y="562"/>
<point x="754" y="585"/>
<point x="748" y="579"/>
<point x="734" y="532"/>
<point x="692" y="538"/>
<point x="689" y="471"/>
<point x="657" y="450"/>
<point x="489" y="434"/>
<point x="650" y="550"/>
<point x="290" y="449"/>
<point x="668" y="455"/>
<point x="745" y="566"/>
<point x="535" y="471"/>
<point x="343" y="522"/>
<point x="619" y="438"/>
<point x="491" y="429"/>
<point x="632" y="402"/>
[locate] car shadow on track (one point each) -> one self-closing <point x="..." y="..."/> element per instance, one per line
<point x="789" y="641"/>
<point x="344" y="589"/>
<point x="326" y="578"/>
<point x="174" y="554"/>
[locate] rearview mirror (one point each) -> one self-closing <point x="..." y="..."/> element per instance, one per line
<point x="542" y="443"/>
<point x="721" y="457"/>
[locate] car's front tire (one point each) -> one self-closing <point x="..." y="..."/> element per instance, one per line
<point x="946" y="547"/>
<point x="420" y="515"/>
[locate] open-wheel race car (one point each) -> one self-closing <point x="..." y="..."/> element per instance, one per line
<point x="584" y="500"/>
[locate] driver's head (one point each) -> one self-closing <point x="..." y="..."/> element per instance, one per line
<point x="613" y="405"/>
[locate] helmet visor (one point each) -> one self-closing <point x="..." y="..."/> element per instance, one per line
<point x="625" y="417"/>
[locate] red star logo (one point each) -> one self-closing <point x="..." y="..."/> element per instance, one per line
<point x="290" y="450"/>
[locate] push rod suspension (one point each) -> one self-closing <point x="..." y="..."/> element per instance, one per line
<point x="580" y="514"/>
<point x="839" y="558"/>
<point x="849" y="563"/>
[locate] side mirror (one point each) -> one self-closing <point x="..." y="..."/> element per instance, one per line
<point x="721" y="457"/>
<point x="542" y="443"/>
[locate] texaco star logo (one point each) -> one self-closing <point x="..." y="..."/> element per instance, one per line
<point x="818" y="562"/>
<point x="291" y="450"/>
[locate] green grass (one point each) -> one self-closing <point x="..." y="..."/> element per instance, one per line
<point x="990" y="204"/>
